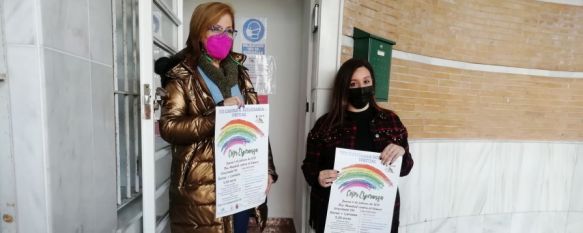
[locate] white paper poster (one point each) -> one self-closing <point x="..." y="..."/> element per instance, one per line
<point x="241" y="155"/>
<point x="363" y="197"/>
<point x="261" y="69"/>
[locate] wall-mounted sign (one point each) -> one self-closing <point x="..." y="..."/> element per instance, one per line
<point x="253" y="33"/>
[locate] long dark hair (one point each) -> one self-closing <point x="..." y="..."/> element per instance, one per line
<point x="339" y="103"/>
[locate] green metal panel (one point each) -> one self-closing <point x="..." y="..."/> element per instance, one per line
<point x="377" y="51"/>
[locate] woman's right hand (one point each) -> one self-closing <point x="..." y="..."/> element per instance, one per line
<point x="234" y="100"/>
<point x="326" y="177"/>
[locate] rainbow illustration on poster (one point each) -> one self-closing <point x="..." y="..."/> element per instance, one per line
<point x="237" y="132"/>
<point x="363" y="176"/>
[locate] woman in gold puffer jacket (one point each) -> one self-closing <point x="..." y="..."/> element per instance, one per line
<point x="204" y="75"/>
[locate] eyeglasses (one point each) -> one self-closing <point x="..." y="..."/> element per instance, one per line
<point x="218" y="29"/>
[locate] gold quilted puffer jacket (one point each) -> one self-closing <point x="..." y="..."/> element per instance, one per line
<point x="187" y="122"/>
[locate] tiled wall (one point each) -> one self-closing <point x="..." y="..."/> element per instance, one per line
<point x="7" y="179"/>
<point x="493" y="186"/>
<point x="59" y="55"/>
<point x="26" y="94"/>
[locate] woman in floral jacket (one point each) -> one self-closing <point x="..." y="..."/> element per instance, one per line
<point x="355" y="121"/>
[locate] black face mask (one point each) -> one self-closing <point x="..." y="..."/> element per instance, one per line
<point x="360" y="97"/>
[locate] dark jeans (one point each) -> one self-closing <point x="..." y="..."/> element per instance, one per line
<point x="241" y="221"/>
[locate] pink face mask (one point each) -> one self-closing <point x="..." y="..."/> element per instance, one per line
<point x="218" y="46"/>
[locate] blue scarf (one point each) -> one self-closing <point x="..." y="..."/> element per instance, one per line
<point x="214" y="89"/>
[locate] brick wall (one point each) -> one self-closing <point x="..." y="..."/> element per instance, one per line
<point x="441" y="102"/>
<point x="517" y="33"/>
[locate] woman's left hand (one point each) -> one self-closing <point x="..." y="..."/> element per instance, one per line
<point x="269" y="182"/>
<point x="391" y="153"/>
<point x="234" y="100"/>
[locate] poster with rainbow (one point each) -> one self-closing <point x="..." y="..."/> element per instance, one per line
<point x="363" y="196"/>
<point x="241" y="153"/>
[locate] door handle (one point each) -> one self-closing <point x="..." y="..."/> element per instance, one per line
<point x="315" y="18"/>
<point x="147" y="102"/>
<point x="161" y="94"/>
<point x="7" y="218"/>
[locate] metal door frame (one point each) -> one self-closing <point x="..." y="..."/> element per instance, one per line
<point x="324" y="43"/>
<point x="150" y="192"/>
